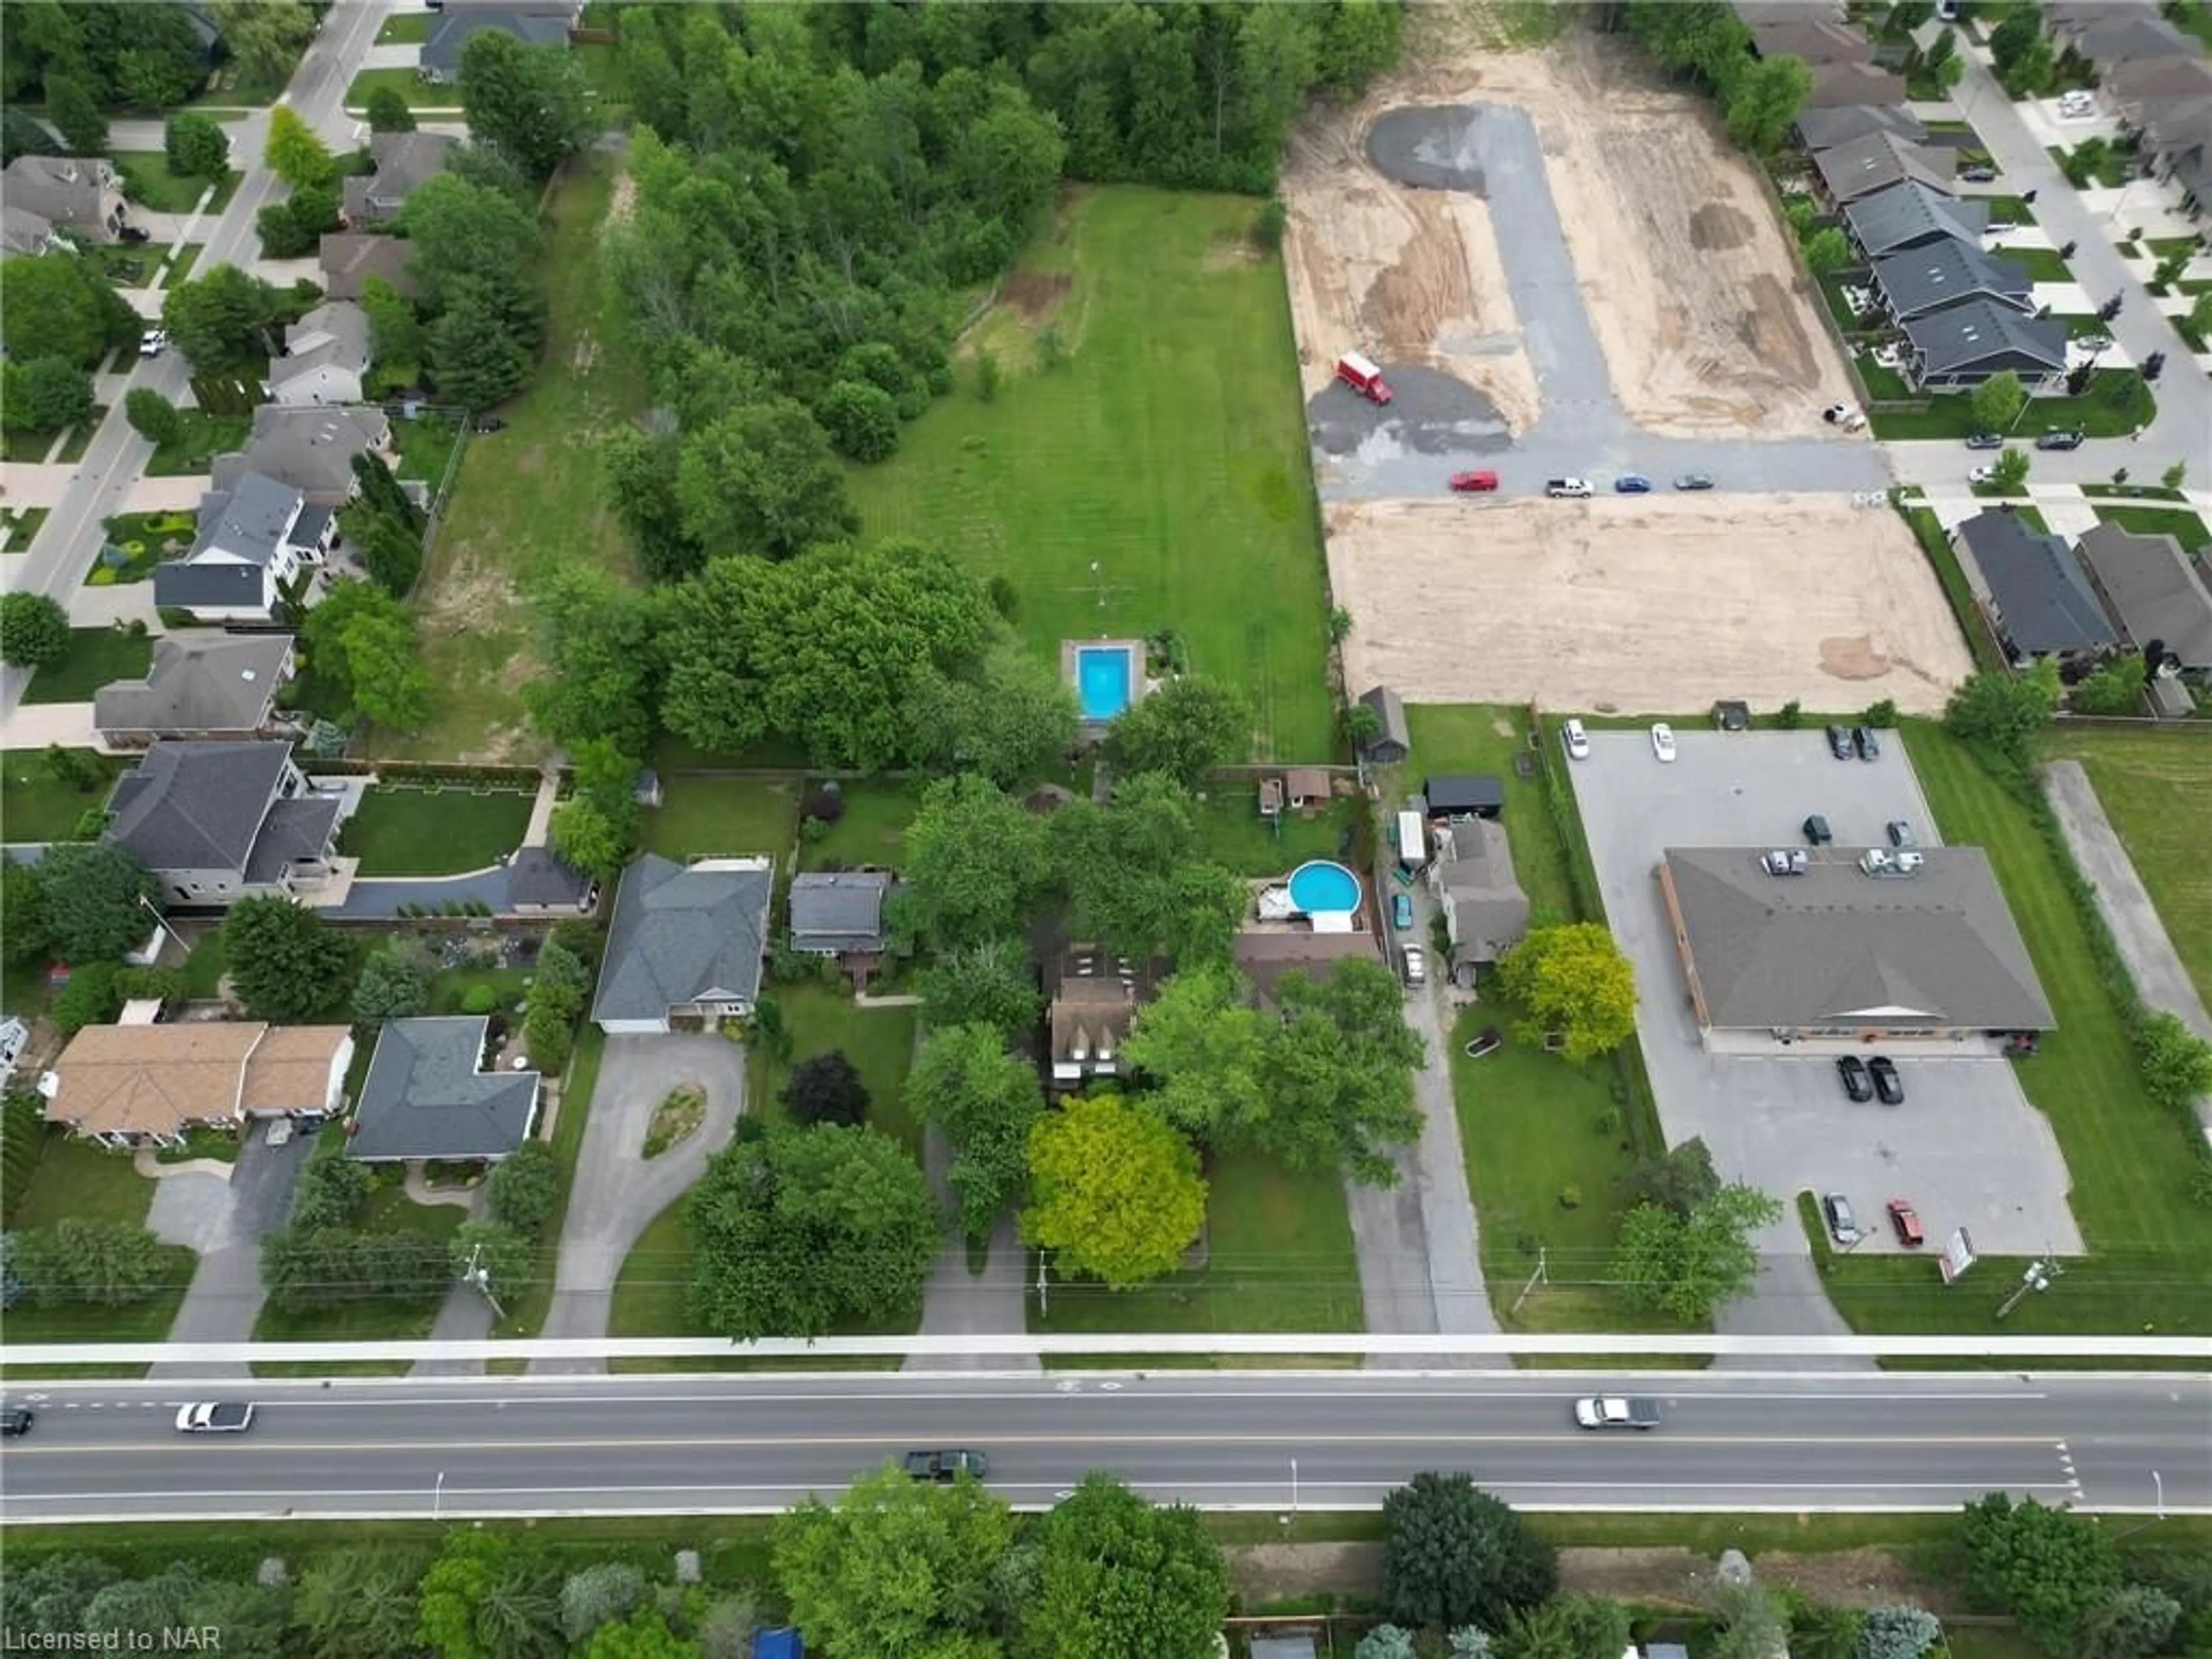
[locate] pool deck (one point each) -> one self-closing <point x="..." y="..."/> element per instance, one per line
<point x="1071" y="653"/>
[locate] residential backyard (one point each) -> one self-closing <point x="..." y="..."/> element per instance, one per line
<point x="870" y="830"/>
<point x="1145" y="463"/>
<point x="435" y="832"/>
<point x="730" y="818"/>
<point x="1237" y="836"/>
<point x="529" y="494"/>
<point x="96" y="656"/>
<point x="35" y="806"/>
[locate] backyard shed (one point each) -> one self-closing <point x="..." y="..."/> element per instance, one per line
<point x="1392" y="742"/>
<point x="1476" y="794"/>
<point x="1307" y="787"/>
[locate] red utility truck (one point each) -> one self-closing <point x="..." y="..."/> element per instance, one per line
<point x="1363" y="377"/>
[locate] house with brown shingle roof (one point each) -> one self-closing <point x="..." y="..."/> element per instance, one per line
<point x="349" y="260"/>
<point x="126" y="1085"/>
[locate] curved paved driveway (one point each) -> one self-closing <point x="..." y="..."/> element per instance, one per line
<point x="617" y="1193"/>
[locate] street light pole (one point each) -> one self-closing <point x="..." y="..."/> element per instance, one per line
<point x="438" y="1498"/>
<point x="1294" y="1487"/>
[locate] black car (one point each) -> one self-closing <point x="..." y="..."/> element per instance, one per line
<point x="1978" y="175"/>
<point x="487" y="423"/>
<point x="1853" y="1070"/>
<point x="16" y="1420"/>
<point x="1868" y="745"/>
<point x="1900" y="834"/>
<point x="2059" y="440"/>
<point x="1985" y="440"/>
<point x="1817" y="831"/>
<point x="1888" y="1087"/>
<point x="1840" y="742"/>
<point x="135" y="233"/>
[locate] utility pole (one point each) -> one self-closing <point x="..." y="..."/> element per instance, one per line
<point x="1540" y="1276"/>
<point x="438" y="1498"/>
<point x="480" y="1276"/>
<point x="2037" y="1277"/>
<point x="1044" y="1289"/>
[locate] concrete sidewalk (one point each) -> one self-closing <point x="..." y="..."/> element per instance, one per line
<point x="35" y="725"/>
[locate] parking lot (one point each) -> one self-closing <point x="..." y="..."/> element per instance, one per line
<point x="1965" y="1148"/>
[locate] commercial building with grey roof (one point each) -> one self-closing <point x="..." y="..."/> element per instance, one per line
<point x="686" y="942"/>
<point x="1923" y="281"/>
<point x="1931" y="957"/>
<point x="427" y="1095"/>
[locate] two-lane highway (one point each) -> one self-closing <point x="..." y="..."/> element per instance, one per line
<point x="717" y="1443"/>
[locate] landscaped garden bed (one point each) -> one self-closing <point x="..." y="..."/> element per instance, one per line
<point x="136" y="543"/>
<point x="676" y="1119"/>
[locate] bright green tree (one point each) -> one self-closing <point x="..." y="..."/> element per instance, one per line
<point x="1998" y="402"/>
<point x="294" y="152"/>
<point x="986" y="1101"/>
<point x="1115" y="1192"/>
<point x="1120" y="1577"/>
<point x="1687" y="1265"/>
<point x="1571" y="981"/>
<point x="288" y="964"/>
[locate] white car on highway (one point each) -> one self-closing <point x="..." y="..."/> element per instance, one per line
<point x="215" y="1416"/>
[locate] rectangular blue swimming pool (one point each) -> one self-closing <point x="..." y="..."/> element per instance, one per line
<point x="1101" y="681"/>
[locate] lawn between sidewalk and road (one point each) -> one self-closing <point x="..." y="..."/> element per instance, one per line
<point x="1145" y="462"/>
<point x="2130" y="1160"/>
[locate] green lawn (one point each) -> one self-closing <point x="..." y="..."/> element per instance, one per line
<point x="384" y="1319"/>
<point x="450" y="987"/>
<point x="879" y="1042"/>
<point x="434" y="832"/>
<point x="1481" y="738"/>
<point x="2008" y="210"/>
<point x="204" y="966"/>
<point x="426" y="448"/>
<point x="200" y="438"/>
<point x="2102" y="412"/>
<point x="82" y="1178"/>
<point x="2154" y="786"/>
<point x="2183" y="525"/>
<point x="529" y="492"/>
<point x="2042" y="264"/>
<point x="1236" y="835"/>
<point x="148" y="181"/>
<point x="1169" y="451"/>
<point x="2112" y="171"/>
<point x="406" y="28"/>
<point x="1927" y="531"/>
<point x="2129" y="1160"/>
<point x="34" y="807"/>
<point x="147" y="538"/>
<point x="726" y="816"/>
<point x="22" y="525"/>
<point x="872" y="829"/>
<point x="1279" y="1258"/>
<point x="419" y="94"/>
<point x="97" y="657"/>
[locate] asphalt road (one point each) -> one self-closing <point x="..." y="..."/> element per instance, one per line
<point x="715" y="1443"/>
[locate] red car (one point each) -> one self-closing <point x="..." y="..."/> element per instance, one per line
<point x="1470" y="483"/>
<point x="1907" y="1222"/>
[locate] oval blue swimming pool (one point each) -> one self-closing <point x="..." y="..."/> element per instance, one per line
<point x="1320" y="887"/>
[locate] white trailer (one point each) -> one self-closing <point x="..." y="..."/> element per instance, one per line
<point x="1412" y="840"/>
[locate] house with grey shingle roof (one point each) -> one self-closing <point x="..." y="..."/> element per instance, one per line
<point x="77" y="194"/>
<point x="348" y="261"/>
<point x="1878" y="160"/>
<point x="217" y="822"/>
<point x="22" y="231"/>
<point x="1910" y="215"/>
<point x="839" y="913"/>
<point x="252" y="539"/>
<point x="325" y="359"/>
<point x="1824" y="129"/>
<point x="2154" y="590"/>
<point x="2112" y="41"/>
<point x="1924" y="280"/>
<point x="427" y="1094"/>
<point x="1486" y="913"/>
<point x="310" y="449"/>
<point x="2037" y="596"/>
<point x="404" y="160"/>
<point x="2153" y="83"/>
<point x="1837" y="86"/>
<point x="1963" y="345"/>
<point x="533" y="22"/>
<point x="1928" y="954"/>
<point x="1815" y="40"/>
<point x="1392" y="741"/>
<point x="201" y="686"/>
<point x="685" y="944"/>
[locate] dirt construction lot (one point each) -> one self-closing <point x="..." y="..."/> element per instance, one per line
<point x="1708" y="325"/>
<point x="1642" y="605"/>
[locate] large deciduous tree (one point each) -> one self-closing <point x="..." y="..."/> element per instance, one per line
<point x="288" y="964"/>
<point x="53" y="308"/>
<point x="1997" y="401"/>
<point x="1688" y="1265"/>
<point x="2002" y="710"/>
<point x="975" y="860"/>
<point x="762" y="479"/>
<point x="2050" y="1569"/>
<point x="532" y="101"/>
<point x="1132" y="881"/>
<point x="294" y="152"/>
<point x="34" y="629"/>
<point x="1184" y="730"/>
<point x="47" y="394"/>
<point x="1764" y="101"/>
<point x="826" y="1088"/>
<point x="987" y="982"/>
<point x="96" y="901"/>
<point x="264" y="37"/>
<point x="220" y="321"/>
<point x="985" y="1100"/>
<point x="600" y="641"/>
<point x="1115" y="1193"/>
<point x="797" y="1230"/>
<point x="1453" y="1555"/>
<point x="151" y="416"/>
<point x="895" y="1566"/>
<point x="1571" y="982"/>
<point x="1118" y="1577"/>
<point x="1012" y="722"/>
<point x="195" y="146"/>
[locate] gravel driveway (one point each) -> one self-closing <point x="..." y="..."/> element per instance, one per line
<point x="617" y="1194"/>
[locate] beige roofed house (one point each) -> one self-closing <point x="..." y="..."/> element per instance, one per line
<point x="123" y="1083"/>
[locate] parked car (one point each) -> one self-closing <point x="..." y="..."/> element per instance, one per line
<point x="2093" y="342"/>
<point x="1662" y="741"/>
<point x="1842" y="1225"/>
<point x="1985" y="440"/>
<point x="1852" y="1069"/>
<point x="1631" y="484"/>
<point x="1569" y="489"/>
<point x="1785" y="862"/>
<point x="1905" y="1222"/>
<point x="1840" y="742"/>
<point x="1401" y="912"/>
<point x="1416" y="963"/>
<point x="1817" y="831"/>
<point x="487" y="423"/>
<point x="2077" y="103"/>
<point x="1864" y="739"/>
<point x="153" y="343"/>
<point x="2059" y="440"/>
<point x="1978" y="175"/>
<point x="1888" y="1087"/>
<point x="1694" y="481"/>
<point x="1844" y="416"/>
<point x="14" y="1420"/>
<point x="1474" y="483"/>
<point x="944" y="1468"/>
<point x="215" y="1416"/>
<point x="1900" y="833"/>
<point x="1982" y="474"/>
<point x="134" y="233"/>
<point x="1576" y="740"/>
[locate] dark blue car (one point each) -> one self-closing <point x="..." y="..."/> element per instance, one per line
<point x="1631" y="484"/>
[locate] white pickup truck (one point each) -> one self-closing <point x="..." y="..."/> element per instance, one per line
<point x="1616" y="1411"/>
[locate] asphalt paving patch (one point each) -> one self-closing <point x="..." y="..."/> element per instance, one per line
<point x="1438" y="147"/>
<point x="1430" y="413"/>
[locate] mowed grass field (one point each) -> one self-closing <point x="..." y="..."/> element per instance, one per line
<point x="1168" y="449"/>
<point x="2130" y="1159"/>
<point x="529" y="494"/>
<point x="2154" y="787"/>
